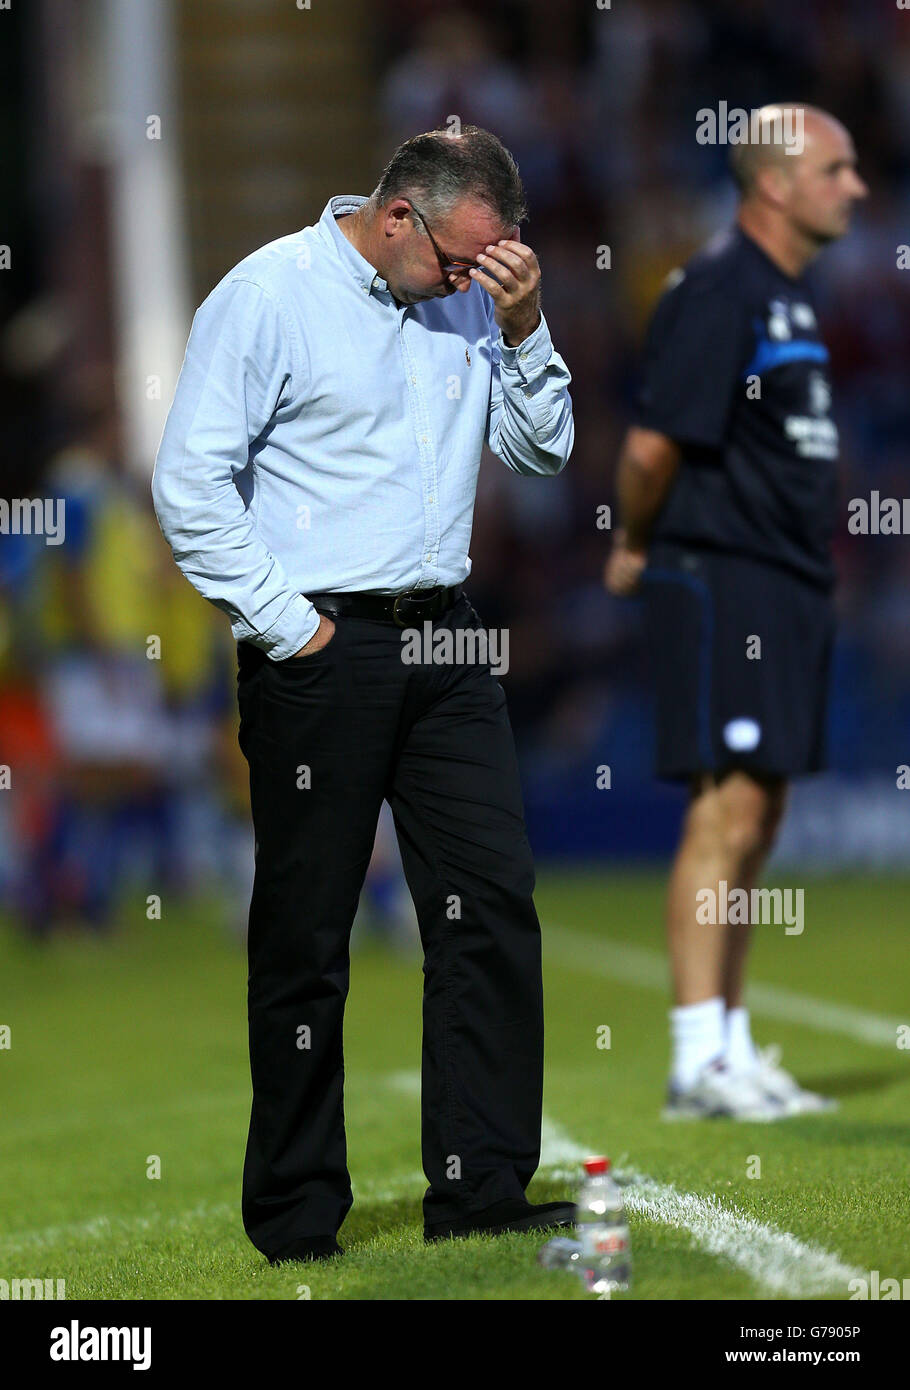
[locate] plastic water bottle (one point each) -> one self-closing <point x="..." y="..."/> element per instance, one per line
<point x="560" y="1253"/>
<point x="604" y="1261"/>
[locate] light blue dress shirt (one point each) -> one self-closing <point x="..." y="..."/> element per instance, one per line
<point x="324" y="437"/>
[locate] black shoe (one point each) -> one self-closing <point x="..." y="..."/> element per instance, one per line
<point x="513" y="1214"/>
<point x="308" y="1248"/>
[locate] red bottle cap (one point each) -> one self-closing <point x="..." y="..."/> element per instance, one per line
<point x="597" y="1165"/>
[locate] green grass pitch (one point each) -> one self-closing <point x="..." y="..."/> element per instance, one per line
<point x="135" y="1047"/>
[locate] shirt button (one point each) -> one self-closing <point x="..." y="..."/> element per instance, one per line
<point x="413" y="381"/>
<point x="429" y="559"/>
<point x="423" y="439"/>
<point x="431" y="498"/>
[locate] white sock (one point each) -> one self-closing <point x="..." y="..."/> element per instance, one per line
<point x="697" y="1034"/>
<point x="739" y="1052"/>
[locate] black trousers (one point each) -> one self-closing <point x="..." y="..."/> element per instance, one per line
<point x="328" y="737"/>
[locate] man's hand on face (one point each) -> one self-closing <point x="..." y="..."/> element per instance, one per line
<point x="511" y="276"/>
<point x="623" y="570"/>
<point x="320" y="638"/>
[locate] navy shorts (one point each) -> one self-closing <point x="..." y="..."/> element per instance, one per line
<point x="740" y="654"/>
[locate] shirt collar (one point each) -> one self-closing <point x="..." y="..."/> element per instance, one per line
<point x="359" y="267"/>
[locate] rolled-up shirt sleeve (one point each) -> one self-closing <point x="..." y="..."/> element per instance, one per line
<point x="530" y="425"/>
<point x="243" y="364"/>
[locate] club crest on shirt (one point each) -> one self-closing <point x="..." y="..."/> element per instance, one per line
<point x="803" y="315"/>
<point x="783" y="317"/>
<point x="778" y="322"/>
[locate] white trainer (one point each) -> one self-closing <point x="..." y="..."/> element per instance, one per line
<point x="771" y="1078"/>
<point x="719" y="1093"/>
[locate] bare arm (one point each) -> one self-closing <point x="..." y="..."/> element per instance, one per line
<point x="647" y="466"/>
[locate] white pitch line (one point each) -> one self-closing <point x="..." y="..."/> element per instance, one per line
<point x="774" y="1259"/>
<point x="560" y="1155"/>
<point x="635" y="965"/>
<point x="407" y="1082"/>
<point x="779" y="1261"/>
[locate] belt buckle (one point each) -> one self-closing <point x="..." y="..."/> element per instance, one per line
<point x="415" y="596"/>
<point x="396" y="618"/>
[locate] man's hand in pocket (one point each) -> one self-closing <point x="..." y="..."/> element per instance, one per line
<point x="320" y="638"/>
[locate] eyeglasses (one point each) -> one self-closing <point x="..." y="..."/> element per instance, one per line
<point x="446" y="263"/>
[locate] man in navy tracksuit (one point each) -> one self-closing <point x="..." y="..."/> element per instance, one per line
<point x="727" y="496"/>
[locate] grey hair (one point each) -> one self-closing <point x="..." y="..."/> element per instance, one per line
<point x="438" y="169"/>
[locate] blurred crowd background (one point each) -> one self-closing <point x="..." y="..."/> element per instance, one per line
<point x="146" y="147"/>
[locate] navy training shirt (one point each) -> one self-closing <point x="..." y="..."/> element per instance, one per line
<point x="736" y="374"/>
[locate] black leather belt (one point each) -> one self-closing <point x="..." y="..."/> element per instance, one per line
<point x="404" y="609"/>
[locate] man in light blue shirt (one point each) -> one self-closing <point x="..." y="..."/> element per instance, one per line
<point x="316" y="481"/>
